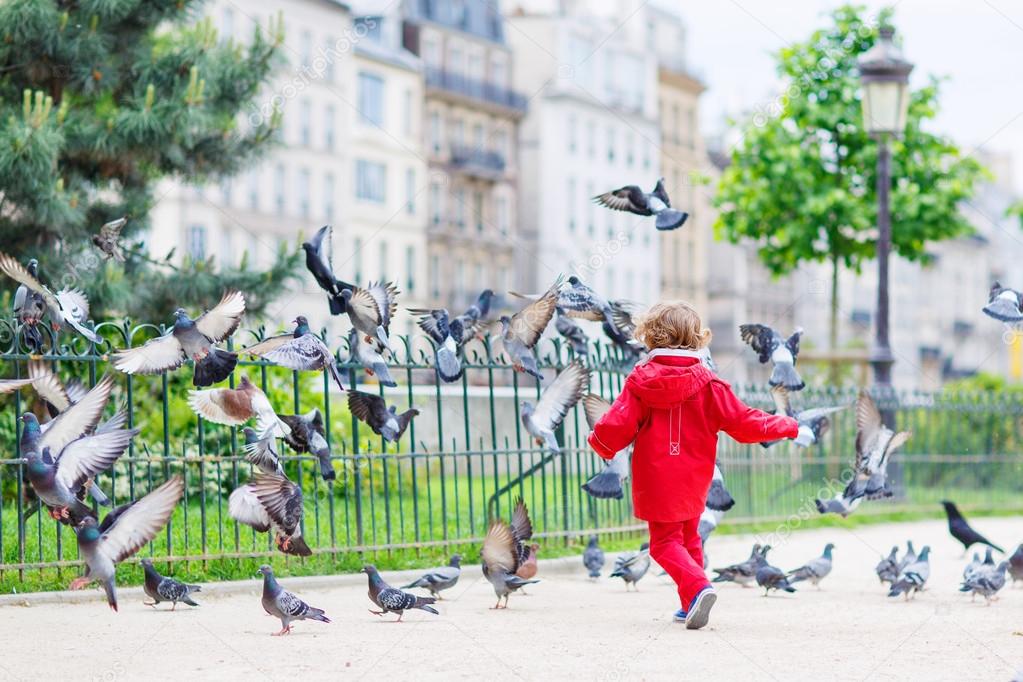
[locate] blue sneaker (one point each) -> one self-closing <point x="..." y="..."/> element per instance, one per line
<point x="699" y="611"/>
<point x="680" y="616"/>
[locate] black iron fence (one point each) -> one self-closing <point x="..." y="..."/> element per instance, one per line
<point x="461" y="462"/>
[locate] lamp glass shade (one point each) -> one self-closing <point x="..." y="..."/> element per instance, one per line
<point x="885" y="103"/>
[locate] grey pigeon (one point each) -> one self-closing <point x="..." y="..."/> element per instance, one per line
<point x="844" y="502"/>
<point x="573" y="333"/>
<point x="576" y="299"/>
<point x="961" y="530"/>
<point x="908" y="558"/>
<point x="973" y="566"/>
<point x="772" y="578"/>
<point x="439" y="579"/>
<point x="301" y="350"/>
<point x="913" y="577"/>
<point x="555" y="402"/>
<point x="190" y="340"/>
<point x="521" y="331"/>
<point x="813" y="422"/>
<point x="235" y="406"/>
<point x="319" y="260"/>
<point x="771" y="347"/>
<point x="447" y="361"/>
<point x="271" y="502"/>
<point x="29" y="308"/>
<point x="367" y="354"/>
<point x="814" y="570"/>
<point x="384" y="420"/>
<point x="606" y="484"/>
<point x="261" y="451"/>
<point x="1016" y="565"/>
<point x="371" y="309"/>
<point x="986" y="582"/>
<point x="123" y="532"/>
<point x="718" y="497"/>
<point x="632" y="566"/>
<point x="47" y="386"/>
<point x="68" y="306"/>
<point x="108" y="241"/>
<point x="469" y="325"/>
<point x="504" y="551"/>
<point x="632" y="199"/>
<point x="593" y="558"/>
<point x="1005" y="305"/>
<point x="392" y="600"/>
<point x="161" y="588"/>
<point x="743" y="573"/>
<point x="308" y="435"/>
<point x="887" y="569"/>
<point x="280" y="603"/>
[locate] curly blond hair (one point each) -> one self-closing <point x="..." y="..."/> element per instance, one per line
<point x="672" y="324"/>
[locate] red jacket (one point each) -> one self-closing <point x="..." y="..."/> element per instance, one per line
<point x="672" y="407"/>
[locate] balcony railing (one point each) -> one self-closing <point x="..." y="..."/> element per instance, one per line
<point x="479" y="162"/>
<point x="476" y="89"/>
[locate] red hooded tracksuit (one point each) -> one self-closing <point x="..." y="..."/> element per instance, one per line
<point x="672" y="408"/>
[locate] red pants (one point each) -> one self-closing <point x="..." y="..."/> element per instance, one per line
<point x="676" y="547"/>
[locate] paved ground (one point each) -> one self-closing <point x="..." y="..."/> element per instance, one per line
<point x="566" y="628"/>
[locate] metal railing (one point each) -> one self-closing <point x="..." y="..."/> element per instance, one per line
<point x="462" y="460"/>
<point x="459" y="84"/>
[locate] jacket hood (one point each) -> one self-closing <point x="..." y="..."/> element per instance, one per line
<point x="664" y="381"/>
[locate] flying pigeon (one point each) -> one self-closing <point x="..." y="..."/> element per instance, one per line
<point x="621" y="329"/>
<point x="1016" y="565"/>
<point x="123" y="532"/>
<point x="743" y="573"/>
<point x="271" y="502"/>
<point x="29" y="308"/>
<point x="573" y="333"/>
<point x="280" y="603"/>
<point x="555" y="402"/>
<point x="887" y="569"/>
<point x="391" y="600"/>
<point x="913" y="577"/>
<point x="367" y="355"/>
<point x="986" y="582"/>
<point x="593" y="558"/>
<point x="814" y="570"/>
<point x="576" y="299"/>
<point x="161" y="588"/>
<point x="770" y="347"/>
<point x="319" y="260"/>
<point x="843" y="503"/>
<point x="961" y="530"/>
<point x="261" y="452"/>
<point x="504" y="551"/>
<point x="437" y="325"/>
<point x="813" y="422"/>
<point x="190" y="339"/>
<point x="371" y="310"/>
<point x="108" y="239"/>
<point x="521" y="331"/>
<point x="235" y="406"/>
<point x="299" y="350"/>
<point x="607" y="484"/>
<point x="772" y="578"/>
<point x="439" y="579"/>
<point x="308" y="435"/>
<point x="718" y="497"/>
<point x="632" y="566"/>
<point x="47" y="386"/>
<point x="1004" y="304"/>
<point x="634" y="200"/>
<point x="465" y="327"/>
<point x="66" y="306"/>
<point x="383" y="419"/>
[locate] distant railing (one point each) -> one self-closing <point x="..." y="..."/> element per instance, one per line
<point x="477" y="89"/>
<point x="478" y="161"/>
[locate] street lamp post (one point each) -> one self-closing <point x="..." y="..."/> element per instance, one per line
<point x="884" y="74"/>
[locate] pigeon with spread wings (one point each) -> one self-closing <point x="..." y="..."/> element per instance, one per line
<point x="556" y="400"/>
<point x="366" y="353"/>
<point x="383" y="419"/>
<point x="371" y="309"/>
<point x="190" y="340"/>
<point x="66" y="306"/>
<point x="319" y="260"/>
<point x="634" y="200"/>
<point x="235" y="406"/>
<point x="299" y="350"/>
<point x="813" y="422"/>
<point x="771" y="347"/>
<point x="271" y="502"/>
<point x="109" y="239"/>
<point x="1003" y="304"/>
<point x="521" y="331"/>
<point x="309" y="435"/>
<point x="447" y="349"/>
<point x="504" y="551"/>
<point x="608" y="483"/>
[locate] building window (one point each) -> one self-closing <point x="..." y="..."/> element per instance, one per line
<point x="436" y="203"/>
<point x="254" y="190"/>
<point x="691" y="131"/>
<point x="459" y="209"/>
<point x="410" y="191"/>
<point x="477" y="137"/>
<point x="434" y="276"/>
<point x="591" y="229"/>
<point x="501" y="143"/>
<point x="304" y="180"/>
<point x="357" y="259"/>
<point x="226" y="248"/>
<point x="408" y="113"/>
<point x="305" y="123"/>
<point x="572" y="125"/>
<point x="459" y="283"/>
<point x="458" y="132"/>
<point x="371" y="99"/>
<point x="279" y="178"/>
<point x="383" y="261"/>
<point x="610" y="145"/>
<point x="329" y="54"/>
<point x="477" y="210"/>
<point x="328" y="127"/>
<point x="370" y="181"/>
<point x="227" y="24"/>
<point x="591" y="139"/>
<point x="306" y="45"/>
<point x="436" y="132"/>
<point x="630" y="153"/>
<point x="197" y="242"/>
<point x="410" y="269"/>
<point x="480" y="280"/>
<point x="570" y="203"/>
<point x="328" y="197"/>
<point x="503" y="222"/>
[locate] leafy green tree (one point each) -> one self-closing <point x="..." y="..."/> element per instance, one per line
<point x="802" y="180"/>
<point x="100" y="100"/>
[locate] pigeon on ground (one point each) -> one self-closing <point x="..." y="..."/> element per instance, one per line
<point x="908" y="558"/>
<point x="521" y="331"/>
<point x="961" y="530"/>
<point x="447" y="361"/>
<point x="632" y="566"/>
<point x="543" y="419"/>
<point x="190" y="339"/>
<point x="300" y="350"/>
<point x="887" y="569"/>
<point x="504" y="551"/>
<point x="366" y="354"/>
<point x="986" y="582"/>
<point x="976" y="563"/>
<point x="319" y="260"/>
<point x="814" y="570"/>
<point x="771" y="347"/>
<point x="161" y="588"/>
<point x="634" y="200"/>
<point x="280" y="603"/>
<point x="573" y="333"/>
<point x="439" y="579"/>
<point x="108" y="240"/>
<point x="743" y="573"/>
<point x="772" y="578"/>
<point x="123" y="532"/>
<point x="913" y="577"/>
<point x="1016" y="565"/>
<point x="371" y="310"/>
<point x="593" y="558"/>
<point x="66" y="306"/>
<point x="383" y="419"/>
<point x="391" y="600"/>
<point x="607" y="484"/>
<point x="1005" y="305"/>
<point x="271" y="502"/>
<point x="813" y="422"/>
<point x="308" y="435"/>
<point x="261" y="452"/>
<point x="235" y="406"/>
